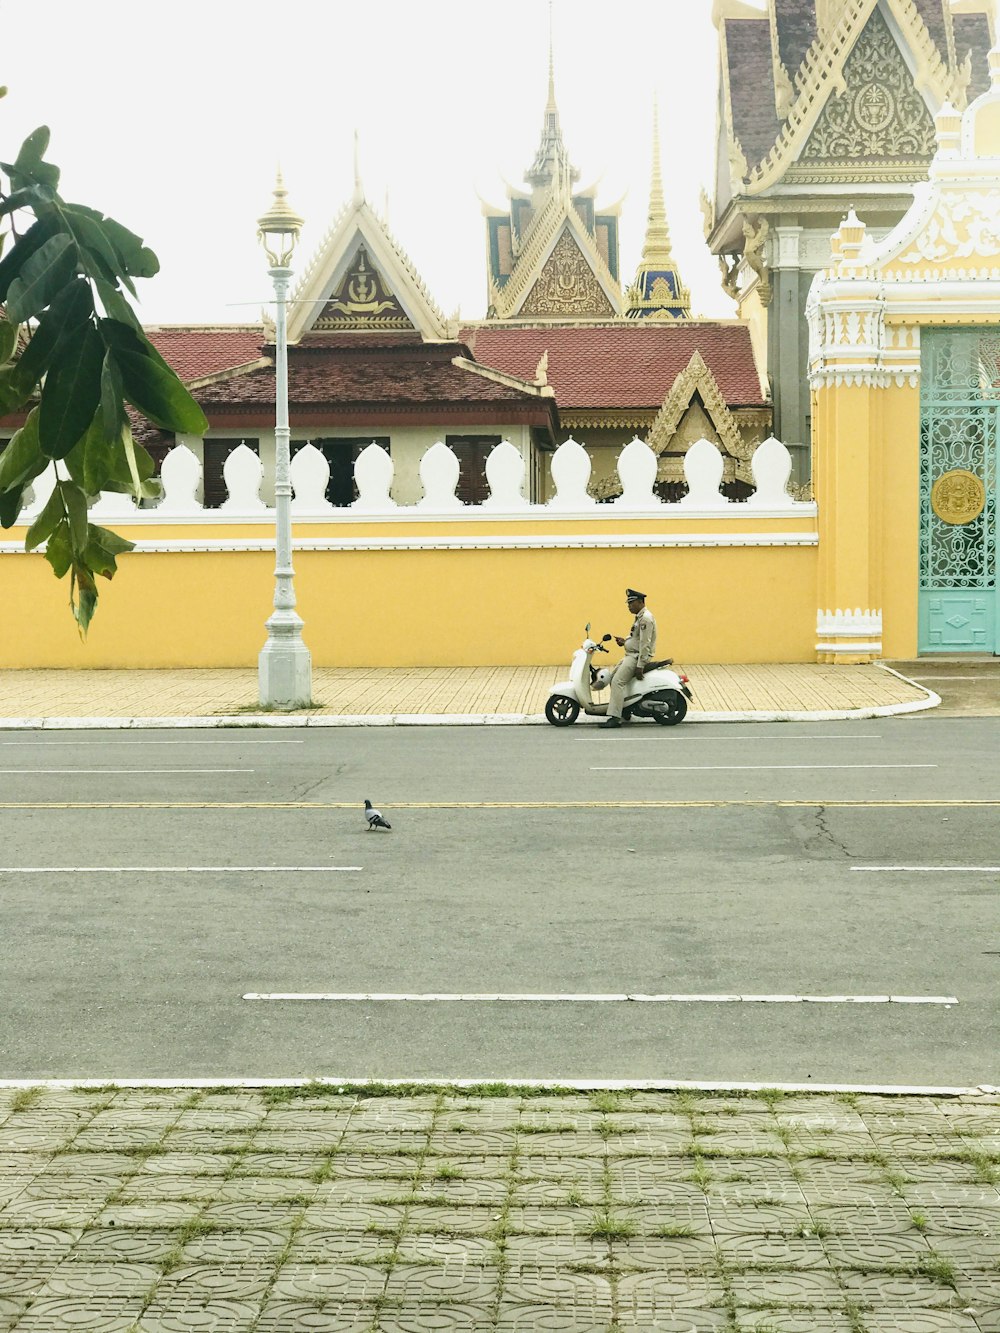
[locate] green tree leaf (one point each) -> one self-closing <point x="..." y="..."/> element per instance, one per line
<point x="10" y="506"/>
<point x="41" y="277"/>
<point x="86" y="227"/>
<point x="33" y="239"/>
<point x="76" y="509"/>
<point x="47" y="521"/>
<point x="22" y="460"/>
<point x="83" y="597"/>
<point x="29" y="169"/>
<point x="8" y="340"/>
<point x="70" y="309"/>
<point x="12" y="391"/>
<point x="157" y="392"/>
<point x="103" y="548"/>
<point x="113" y="415"/>
<point x="72" y="390"/>
<point x="59" y="552"/>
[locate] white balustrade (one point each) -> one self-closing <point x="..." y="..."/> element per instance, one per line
<point x="771" y="466"/>
<point x="244" y="474"/>
<point x="373" y="473"/>
<point x="637" y="474"/>
<point x="310" y="474"/>
<point x="505" y="475"/>
<point x="703" y="467"/>
<point x="439" y="472"/>
<point x="571" y="469"/>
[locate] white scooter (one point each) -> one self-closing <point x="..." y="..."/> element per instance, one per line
<point x="661" y="694"/>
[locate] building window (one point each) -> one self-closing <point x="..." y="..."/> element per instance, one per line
<point x="342" y="453"/>
<point x="214" y="460"/>
<point x="472" y="452"/>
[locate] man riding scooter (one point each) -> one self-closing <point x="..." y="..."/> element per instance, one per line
<point x="639" y="649"/>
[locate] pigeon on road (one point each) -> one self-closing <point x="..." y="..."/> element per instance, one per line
<point x="375" y="818"/>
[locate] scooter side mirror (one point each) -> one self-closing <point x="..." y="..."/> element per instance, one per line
<point x="586" y="629"/>
<point x="606" y="638"/>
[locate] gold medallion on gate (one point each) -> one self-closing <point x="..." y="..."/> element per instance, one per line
<point x="958" y="497"/>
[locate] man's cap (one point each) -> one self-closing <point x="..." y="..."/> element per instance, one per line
<point x="631" y="593"/>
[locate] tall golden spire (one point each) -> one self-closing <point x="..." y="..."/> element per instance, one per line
<point x="657" y="292"/>
<point x="551" y="167"/>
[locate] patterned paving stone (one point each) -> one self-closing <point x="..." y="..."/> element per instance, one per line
<point x="74" y="1278"/>
<point x="92" y="1314"/>
<point x="787" y="1289"/>
<point x="979" y="1285"/>
<point x="142" y="1189"/>
<point x="876" y="1251"/>
<point x="683" y="1254"/>
<point x="249" y="1215"/>
<point x="277" y="1163"/>
<point x="235" y="1248"/>
<point x="953" y="1220"/>
<point x="764" y="1220"/>
<point x="682" y="1321"/>
<point x="319" y="1282"/>
<point x="491" y="1143"/>
<point x="169" y="1315"/>
<point x="361" y="1189"/>
<point x="653" y="1291"/>
<point x="573" y="1168"/>
<point x="468" y="1220"/>
<point x="851" y="1220"/>
<point x="554" y="1252"/>
<point x="556" y="1193"/>
<point x="30" y="1244"/>
<point x="968" y="1251"/>
<point x="311" y="1244"/>
<point x="374" y="1164"/>
<point x="690" y="1215"/>
<point x="336" y="1216"/>
<point x="458" y="1252"/>
<point x="147" y="1216"/>
<point x="202" y="1282"/>
<point x="588" y="1291"/>
<point x="281" y="1316"/>
<point x="907" y="1320"/>
<point x="988" y="1319"/>
<point x="123" y="1245"/>
<point x="39" y="1213"/>
<point x="25" y="1279"/>
<point x="540" y="1318"/>
<point x="920" y="1292"/>
<point x="790" y="1252"/>
<point x="430" y="1283"/>
<point x="11" y="1310"/>
<point x="439" y="1319"/>
<point x="551" y="1221"/>
<point x="794" y="1321"/>
<point x="486" y="1193"/>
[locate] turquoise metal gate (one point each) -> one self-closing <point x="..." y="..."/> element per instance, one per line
<point x="959" y="419"/>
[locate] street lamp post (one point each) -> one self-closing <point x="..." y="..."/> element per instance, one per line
<point x="284" y="669"/>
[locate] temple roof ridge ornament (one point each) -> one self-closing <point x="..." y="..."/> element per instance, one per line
<point x="657" y="292"/>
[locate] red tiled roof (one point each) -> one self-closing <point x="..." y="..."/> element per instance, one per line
<point x="751" y="86"/>
<point x="195" y="352"/>
<point x="628" y="365"/>
<point x="320" y="376"/>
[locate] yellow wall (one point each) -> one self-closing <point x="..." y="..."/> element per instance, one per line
<point x="425" y="607"/>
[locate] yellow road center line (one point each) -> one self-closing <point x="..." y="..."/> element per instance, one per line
<point x="497" y="805"/>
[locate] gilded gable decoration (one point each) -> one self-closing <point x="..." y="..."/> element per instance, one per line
<point x="363" y="301"/>
<point x="566" y="286"/>
<point x="880" y="116"/>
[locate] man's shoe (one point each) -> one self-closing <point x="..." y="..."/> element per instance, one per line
<point x="613" y="722"/>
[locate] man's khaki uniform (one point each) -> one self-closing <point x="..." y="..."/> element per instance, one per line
<point x="639" y="649"/>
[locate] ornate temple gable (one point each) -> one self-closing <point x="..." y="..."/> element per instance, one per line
<point x="820" y="78"/>
<point x="696" y="380"/>
<point x="364" y="300"/>
<point x="879" y="120"/>
<point x="361" y="279"/>
<point x="567" y="286"/>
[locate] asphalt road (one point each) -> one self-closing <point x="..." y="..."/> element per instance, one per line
<point x="150" y="880"/>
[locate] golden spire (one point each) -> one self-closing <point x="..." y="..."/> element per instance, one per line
<point x="551" y="166"/>
<point x="657" y="289"/>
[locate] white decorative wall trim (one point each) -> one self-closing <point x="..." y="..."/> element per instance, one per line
<point x="568" y="541"/>
<point x="855" y="622"/>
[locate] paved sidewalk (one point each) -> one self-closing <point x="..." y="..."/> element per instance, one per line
<point x="462" y="694"/>
<point x="278" y="1209"/>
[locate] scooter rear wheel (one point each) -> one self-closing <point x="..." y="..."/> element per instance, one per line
<point x="671" y="710"/>
<point x="561" y="710"/>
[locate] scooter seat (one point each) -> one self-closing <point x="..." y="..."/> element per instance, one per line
<point x="655" y="666"/>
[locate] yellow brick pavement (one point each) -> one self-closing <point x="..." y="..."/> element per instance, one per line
<point x="430" y="690"/>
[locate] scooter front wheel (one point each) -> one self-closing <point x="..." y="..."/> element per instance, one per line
<point x="561" y="710"/>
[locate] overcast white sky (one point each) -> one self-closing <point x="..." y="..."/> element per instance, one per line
<point x="172" y="118"/>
